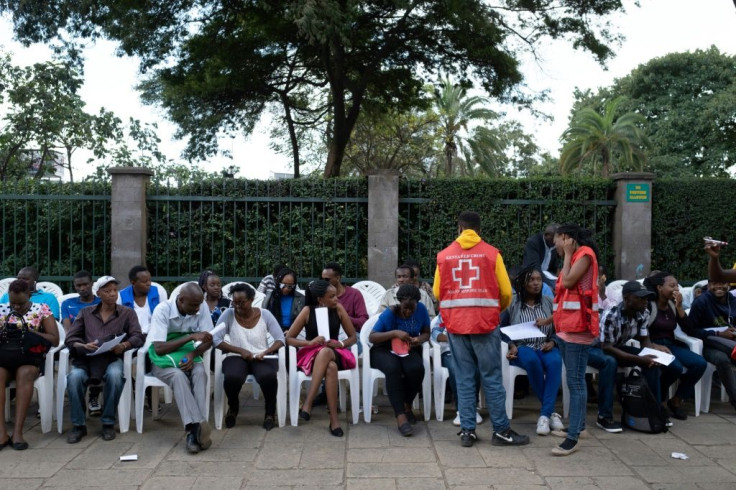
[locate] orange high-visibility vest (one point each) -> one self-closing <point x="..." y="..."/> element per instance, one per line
<point x="576" y="309"/>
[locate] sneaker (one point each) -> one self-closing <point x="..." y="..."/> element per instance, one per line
<point x="456" y="421"/>
<point x="563" y="433"/>
<point x="668" y="422"/>
<point x="609" y="425"/>
<point x="509" y="438"/>
<point x="467" y="437"/>
<point x="555" y="422"/>
<point x="478" y="418"/>
<point x="94" y="405"/>
<point x="567" y="447"/>
<point x="543" y="425"/>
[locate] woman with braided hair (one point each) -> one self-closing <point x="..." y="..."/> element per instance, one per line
<point x="319" y="356"/>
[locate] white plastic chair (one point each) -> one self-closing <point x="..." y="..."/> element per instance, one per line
<point x="440" y="375"/>
<point x="176" y="290"/>
<point x="706" y="384"/>
<point x="44" y="386"/>
<point x="509" y="373"/>
<point x="5" y="284"/>
<point x="145" y="379"/>
<point x="257" y="300"/>
<point x="371" y="375"/>
<point x="351" y="376"/>
<point x="126" y="397"/>
<point x="372" y="293"/>
<point x="695" y="346"/>
<point x="280" y="394"/>
<point x="52" y="288"/>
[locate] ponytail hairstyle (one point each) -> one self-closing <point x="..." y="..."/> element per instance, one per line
<point x="583" y="236"/>
<point x="202" y="281"/>
<point x="315" y="290"/>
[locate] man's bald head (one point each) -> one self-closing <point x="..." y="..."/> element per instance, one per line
<point x="189" y="299"/>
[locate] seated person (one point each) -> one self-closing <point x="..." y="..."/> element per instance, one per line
<point x="716" y="308"/>
<point x="318" y="356"/>
<point x="404" y="325"/>
<point x="71" y="307"/>
<point x="439" y="335"/>
<point x="666" y="314"/>
<point x="604" y="300"/>
<point x="630" y="320"/>
<point x="405" y="275"/>
<point x="350" y="298"/>
<point x="30" y="275"/>
<point x="284" y="302"/>
<point x="175" y="326"/>
<point x="248" y="329"/>
<point x="20" y="321"/>
<point x="212" y="289"/>
<point x="539" y="356"/>
<point x="268" y="283"/>
<point x="422" y="285"/>
<point x="140" y="296"/>
<point x="93" y="326"/>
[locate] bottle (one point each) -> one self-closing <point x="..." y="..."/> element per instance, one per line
<point x="183" y="361"/>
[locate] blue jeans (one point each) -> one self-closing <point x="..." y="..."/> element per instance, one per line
<point x="606" y="366"/>
<point x="544" y="370"/>
<point x="684" y="358"/>
<point x="447" y="362"/>
<point x="76" y="385"/>
<point x="575" y="357"/>
<point x="482" y="353"/>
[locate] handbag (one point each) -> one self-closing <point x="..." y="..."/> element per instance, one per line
<point x="29" y="342"/>
<point x="176" y="358"/>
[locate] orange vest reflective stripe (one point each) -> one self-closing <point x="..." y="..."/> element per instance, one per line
<point x="469" y="295"/>
<point x="576" y="309"/>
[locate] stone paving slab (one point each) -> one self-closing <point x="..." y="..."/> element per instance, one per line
<point x="375" y="456"/>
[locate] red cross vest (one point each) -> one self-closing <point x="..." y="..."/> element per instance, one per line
<point x="469" y="296"/>
<point x="576" y="310"/>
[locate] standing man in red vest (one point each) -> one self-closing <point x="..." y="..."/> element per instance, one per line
<point x="473" y="288"/>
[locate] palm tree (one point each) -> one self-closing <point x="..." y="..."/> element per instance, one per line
<point x="595" y="139"/>
<point x="456" y="112"/>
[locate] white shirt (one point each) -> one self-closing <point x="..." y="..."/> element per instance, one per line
<point x="144" y="315"/>
<point x="166" y="319"/>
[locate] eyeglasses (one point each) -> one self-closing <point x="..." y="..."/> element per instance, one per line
<point x="287" y="286"/>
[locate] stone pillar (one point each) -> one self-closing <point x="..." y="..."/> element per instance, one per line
<point x="383" y="226"/>
<point x="129" y="221"/>
<point x="632" y="229"/>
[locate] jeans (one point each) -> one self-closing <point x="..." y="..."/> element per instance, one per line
<point x="76" y="385"/>
<point x="684" y="358"/>
<point x="606" y="366"/>
<point x="575" y="357"/>
<point x="482" y="353"/>
<point x="447" y="362"/>
<point x="544" y="370"/>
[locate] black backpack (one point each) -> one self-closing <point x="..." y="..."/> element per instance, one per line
<point x="641" y="412"/>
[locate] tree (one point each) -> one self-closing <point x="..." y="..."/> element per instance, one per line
<point x="603" y="139"/>
<point x="215" y="65"/>
<point x="689" y="103"/>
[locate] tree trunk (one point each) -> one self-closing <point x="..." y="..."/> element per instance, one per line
<point x="292" y="133"/>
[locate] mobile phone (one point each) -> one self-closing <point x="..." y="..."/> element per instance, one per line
<point x="710" y="241"/>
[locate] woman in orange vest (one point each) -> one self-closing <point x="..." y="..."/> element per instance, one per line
<point x="575" y="314"/>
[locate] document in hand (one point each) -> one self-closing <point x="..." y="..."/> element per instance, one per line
<point x="323" y="322"/>
<point x="107" y="346"/>
<point x="661" y="357"/>
<point x="527" y="330"/>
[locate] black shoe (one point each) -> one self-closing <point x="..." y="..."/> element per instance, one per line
<point x="411" y="418"/>
<point x="509" y="438"/>
<point x="108" y="432"/>
<point x="609" y="425"/>
<point x="305" y="416"/>
<point x="268" y="422"/>
<point x="320" y="399"/>
<point x="203" y="435"/>
<point x="406" y="429"/>
<point x="467" y="437"/>
<point x="230" y="418"/>
<point x="75" y="435"/>
<point x="337" y="432"/>
<point x="192" y="445"/>
<point x="18" y="446"/>
<point x="677" y="412"/>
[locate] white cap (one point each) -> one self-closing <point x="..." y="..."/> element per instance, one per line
<point x="104" y="281"/>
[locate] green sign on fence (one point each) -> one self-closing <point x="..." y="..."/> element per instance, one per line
<point x="637" y="192"/>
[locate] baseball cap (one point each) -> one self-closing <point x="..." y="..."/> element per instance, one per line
<point x="104" y="281"/>
<point x="633" y="287"/>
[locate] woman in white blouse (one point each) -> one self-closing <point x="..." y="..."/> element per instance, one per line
<point x="248" y="329"/>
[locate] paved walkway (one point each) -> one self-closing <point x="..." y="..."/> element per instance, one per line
<point x="376" y="456"/>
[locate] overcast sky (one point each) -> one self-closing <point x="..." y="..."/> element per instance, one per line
<point x="656" y="28"/>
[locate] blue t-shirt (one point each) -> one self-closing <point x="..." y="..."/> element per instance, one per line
<point x="71" y="307"/>
<point x="286" y="302"/>
<point x="40" y="296"/>
<point x="412" y="325"/>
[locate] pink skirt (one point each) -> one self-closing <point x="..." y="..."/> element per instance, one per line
<point x="305" y="358"/>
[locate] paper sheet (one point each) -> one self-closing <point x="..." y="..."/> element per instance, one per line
<point x="107" y="346"/>
<point x="528" y="330"/>
<point x="661" y="357"/>
<point x="323" y="323"/>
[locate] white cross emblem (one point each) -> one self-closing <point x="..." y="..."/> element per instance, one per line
<point x="465" y="273"/>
